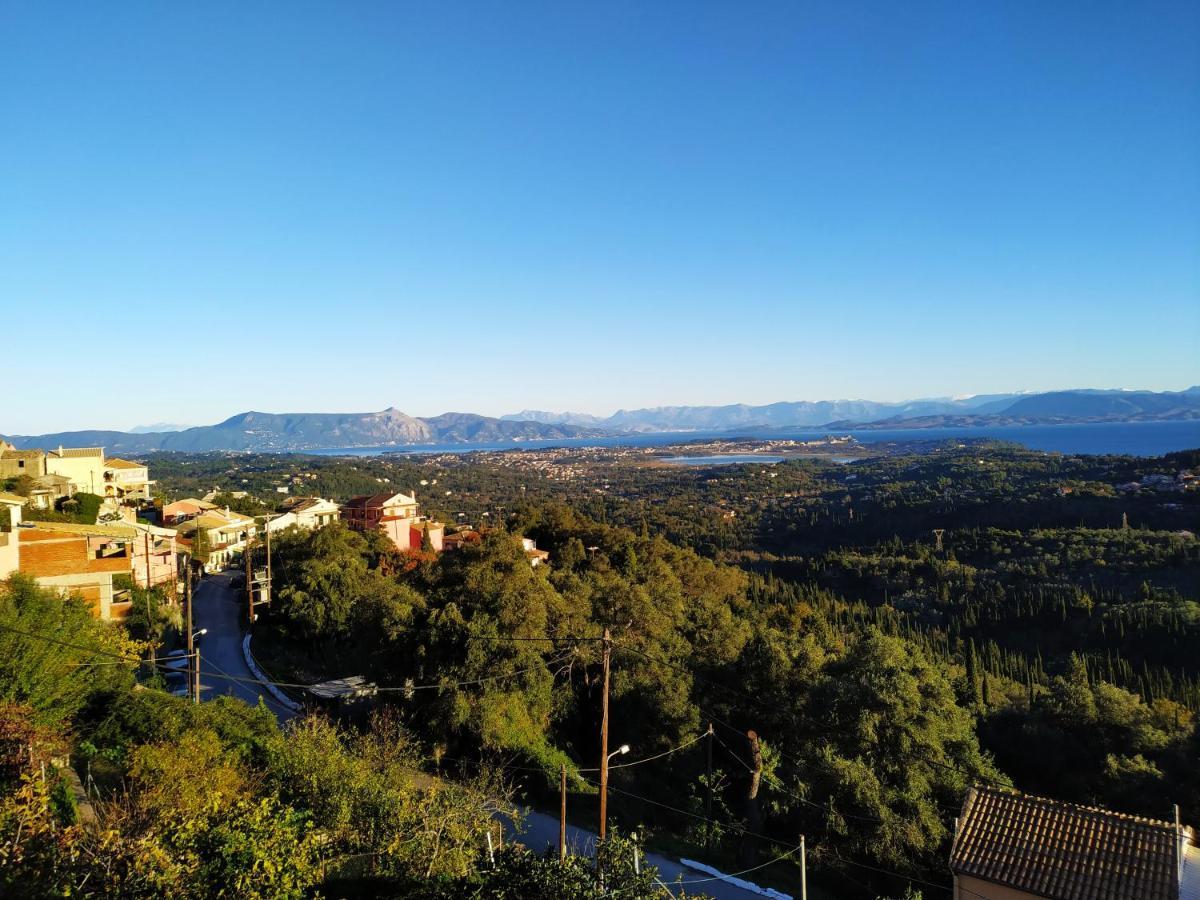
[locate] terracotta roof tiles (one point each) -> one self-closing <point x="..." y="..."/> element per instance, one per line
<point x="1063" y="851"/>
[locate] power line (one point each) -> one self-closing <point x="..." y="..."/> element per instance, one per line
<point x="259" y="681"/>
<point x="647" y="759"/>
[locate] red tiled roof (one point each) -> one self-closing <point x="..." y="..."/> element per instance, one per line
<point x="1063" y="851"/>
<point x="377" y="501"/>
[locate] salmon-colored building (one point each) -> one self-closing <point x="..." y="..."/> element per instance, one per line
<point x="397" y="516"/>
<point x="80" y="560"/>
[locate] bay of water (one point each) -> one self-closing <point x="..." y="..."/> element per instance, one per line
<point x="1131" y="438"/>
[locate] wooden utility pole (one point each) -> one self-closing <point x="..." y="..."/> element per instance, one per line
<point x="562" y="813"/>
<point x="148" y="581"/>
<point x="187" y="618"/>
<point x="604" y="737"/>
<point x="709" y="800"/>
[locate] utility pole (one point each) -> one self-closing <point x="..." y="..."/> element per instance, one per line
<point x="267" y="525"/>
<point x="249" y="554"/>
<point x="187" y="614"/>
<point x="196" y="686"/>
<point x="604" y="737"/>
<point x="708" y="801"/>
<point x="562" y="813"/>
<point x="803" y="872"/>
<point x="148" y="560"/>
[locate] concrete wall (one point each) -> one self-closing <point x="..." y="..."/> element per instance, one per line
<point x="10" y="542"/>
<point x="15" y="466"/>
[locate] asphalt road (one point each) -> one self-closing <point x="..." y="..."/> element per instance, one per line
<point x="540" y="831"/>
<point x="218" y="607"/>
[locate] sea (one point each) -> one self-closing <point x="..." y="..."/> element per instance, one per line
<point x="1126" y="438"/>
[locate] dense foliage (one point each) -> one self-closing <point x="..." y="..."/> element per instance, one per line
<point x="214" y="800"/>
<point x="893" y="630"/>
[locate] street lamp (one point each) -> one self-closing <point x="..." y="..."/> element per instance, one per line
<point x="620" y="751"/>
<point x="197" y="634"/>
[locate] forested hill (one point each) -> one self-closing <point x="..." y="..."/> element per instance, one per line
<point x="1058" y="407"/>
<point x="981" y="409"/>
<point x="303" y="431"/>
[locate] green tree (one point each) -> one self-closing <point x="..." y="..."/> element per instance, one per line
<point x="54" y="655"/>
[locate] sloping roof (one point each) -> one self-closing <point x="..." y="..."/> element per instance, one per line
<point x="112" y="530"/>
<point x="22" y="454"/>
<point x="188" y="503"/>
<point x="375" y="501"/>
<point x="216" y="518"/>
<point x="1063" y="851"/>
<point x="12" y="499"/>
<point x="115" y="462"/>
<point x="77" y="452"/>
<point x="302" y="504"/>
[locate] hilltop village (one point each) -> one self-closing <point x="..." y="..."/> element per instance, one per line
<point x="91" y="525"/>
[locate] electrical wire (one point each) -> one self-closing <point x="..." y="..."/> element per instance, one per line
<point x="638" y="762"/>
<point x="732" y="826"/>
<point x="259" y="681"/>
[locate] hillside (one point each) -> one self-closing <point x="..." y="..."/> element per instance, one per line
<point x="1060" y="408"/>
<point x="1011" y="409"/>
<point x="306" y="431"/>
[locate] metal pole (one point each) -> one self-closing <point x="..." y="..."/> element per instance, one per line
<point x="604" y="737"/>
<point x="803" y="872"/>
<point x="249" y="582"/>
<point x="562" y="813"/>
<point x="196" y="690"/>
<point x="148" y="580"/>
<point x="708" y="802"/>
<point x="187" y="620"/>
<point x="268" y="527"/>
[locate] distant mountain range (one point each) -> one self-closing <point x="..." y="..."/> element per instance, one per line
<point x="982" y="409"/>
<point x="309" y="431"/>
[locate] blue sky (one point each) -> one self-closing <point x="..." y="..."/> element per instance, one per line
<point x="208" y="208"/>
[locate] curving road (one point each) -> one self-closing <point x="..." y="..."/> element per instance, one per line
<point x="219" y="608"/>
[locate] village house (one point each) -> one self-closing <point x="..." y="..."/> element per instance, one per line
<point x="155" y="555"/>
<point x="226" y="533"/>
<point x="79" y="560"/>
<point x="83" y="467"/>
<point x="125" y="481"/>
<point x="310" y="512"/>
<point x="47" y="490"/>
<point x="183" y="510"/>
<point x="464" y="537"/>
<point x="1013" y="846"/>
<point x="14" y="463"/>
<point x="535" y="556"/>
<point x="396" y="515"/>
